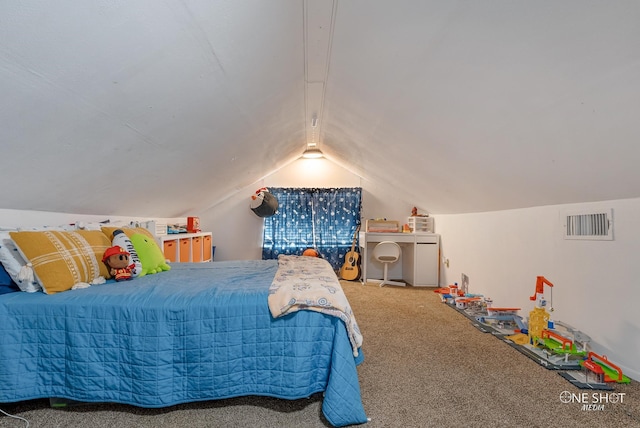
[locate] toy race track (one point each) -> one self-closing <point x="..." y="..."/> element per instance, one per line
<point x="543" y="357"/>
<point x="553" y="345"/>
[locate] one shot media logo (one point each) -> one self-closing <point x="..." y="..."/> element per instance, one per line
<point x="592" y="401"/>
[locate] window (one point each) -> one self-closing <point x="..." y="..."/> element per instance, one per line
<point x="324" y="219"/>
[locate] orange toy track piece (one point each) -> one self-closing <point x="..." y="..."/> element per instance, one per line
<point x="503" y="311"/>
<point x="470" y="299"/>
<point x="567" y="344"/>
<point x="604" y="360"/>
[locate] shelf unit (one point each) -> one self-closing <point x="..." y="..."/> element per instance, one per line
<point x="186" y="247"/>
<point x="421" y="224"/>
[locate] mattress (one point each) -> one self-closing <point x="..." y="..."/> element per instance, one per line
<point x="197" y="332"/>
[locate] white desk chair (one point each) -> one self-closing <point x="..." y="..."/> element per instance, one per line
<point x="387" y="252"/>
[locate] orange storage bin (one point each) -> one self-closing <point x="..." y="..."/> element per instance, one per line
<point x="170" y="250"/>
<point x="185" y="250"/>
<point x="196" y="249"/>
<point x="206" y="248"/>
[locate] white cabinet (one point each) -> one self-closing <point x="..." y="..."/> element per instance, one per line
<point x="421" y="262"/>
<point x="186" y="247"/>
<point x="427" y="263"/>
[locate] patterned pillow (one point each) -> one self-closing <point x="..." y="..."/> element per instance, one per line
<point x="62" y="259"/>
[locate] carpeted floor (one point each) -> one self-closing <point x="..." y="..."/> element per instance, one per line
<point x="425" y="366"/>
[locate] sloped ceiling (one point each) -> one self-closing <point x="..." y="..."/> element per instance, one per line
<point x="161" y="108"/>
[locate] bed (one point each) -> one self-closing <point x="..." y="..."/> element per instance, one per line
<point x="197" y="332"/>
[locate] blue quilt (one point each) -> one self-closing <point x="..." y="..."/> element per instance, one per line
<point x="197" y="332"/>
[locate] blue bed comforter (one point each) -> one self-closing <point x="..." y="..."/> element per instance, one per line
<point x="197" y="332"/>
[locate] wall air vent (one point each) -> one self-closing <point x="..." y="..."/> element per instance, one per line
<point x="590" y="225"/>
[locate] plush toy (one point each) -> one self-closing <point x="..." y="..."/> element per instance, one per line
<point x="151" y="256"/>
<point x="117" y="260"/>
<point x="122" y="240"/>
<point x="263" y="203"/>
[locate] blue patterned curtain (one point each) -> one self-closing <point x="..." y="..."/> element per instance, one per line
<point x="324" y="219"/>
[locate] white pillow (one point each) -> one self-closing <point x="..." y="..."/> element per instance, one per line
<point x="12" y="261"/>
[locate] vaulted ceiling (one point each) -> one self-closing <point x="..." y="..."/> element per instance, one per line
<point x="162" y="107"/>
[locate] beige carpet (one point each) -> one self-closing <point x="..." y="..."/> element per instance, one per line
<point x="425" y="366"/>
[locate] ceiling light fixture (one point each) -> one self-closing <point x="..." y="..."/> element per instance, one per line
<point x="312" y="153"/>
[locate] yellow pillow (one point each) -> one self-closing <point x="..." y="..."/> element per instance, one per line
<point x="62" y="259"/>
<point x="129" y="231"/>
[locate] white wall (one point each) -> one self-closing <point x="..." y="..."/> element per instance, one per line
<point x="237" y="231"/>
<point x="382" y="201"/>
<point x="13" y="219"/>
<point x="595" y="284"/>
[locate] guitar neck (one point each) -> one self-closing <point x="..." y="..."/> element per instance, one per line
<point x="355" y="237"/>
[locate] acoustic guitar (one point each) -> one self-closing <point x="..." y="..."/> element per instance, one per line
<point x="351" y="268"/>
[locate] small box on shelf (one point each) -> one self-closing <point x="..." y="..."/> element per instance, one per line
<point x="157" y="228"/>
<point x="421" y="224"/>
<point x="193" y="224"/>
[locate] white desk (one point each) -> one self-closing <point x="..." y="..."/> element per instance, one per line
<point x="419" y="263"/>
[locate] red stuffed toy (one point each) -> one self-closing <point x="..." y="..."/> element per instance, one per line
<point x="117" y="260"/>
